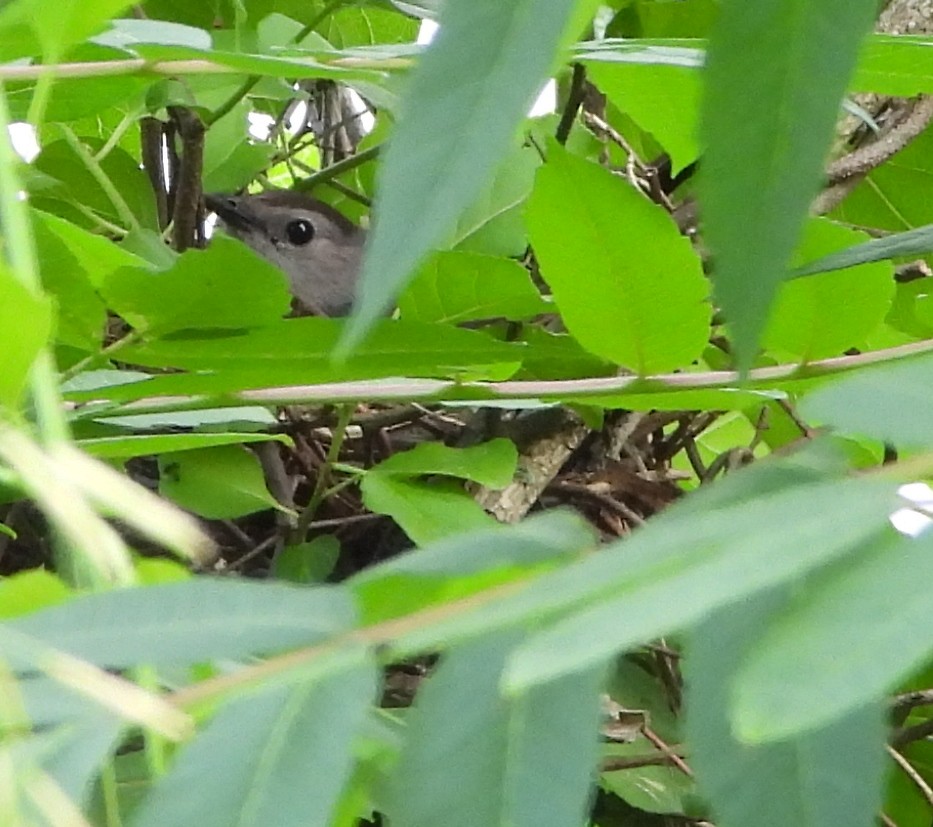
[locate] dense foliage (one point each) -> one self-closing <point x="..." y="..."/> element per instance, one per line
<point x="697" y="431"/>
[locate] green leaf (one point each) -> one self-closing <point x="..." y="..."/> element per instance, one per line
<point x="459" y="287"/>
<point x="202" y="619"/>
<point x="52" y="26"/>
<point x="491" y="463"/>
<point x="31" y="590"/>
<point x="280" y="756"/>
<point x="76" y="184"/>
<point x="893" y="196"/>
<point x="767" y="126"/>
<point x="494" y="223"/>
<point x="26" y="323"/>
<point x="637" y="297"/>
<point x="225" y="286"/>
<point x="426" y="511"/>
<point x="891" y="402"/>
<point x="663" y="100"/>
<point x="918" y="241"/>
<point x="827" y="314"/>
<point x="461" y="565"/>
<point x="523" y="760"/>
<point x="298" y="351"/>
<point x="478" y="78"/>
<point x="663" y="789"/>
<point x="309" y="562"/>
<point x="218" y="483"/>
<point x="895" y="65"/>
<point x="684" y="564"/>
<point x="800" y="781"/>
<point x="865" y="625"/>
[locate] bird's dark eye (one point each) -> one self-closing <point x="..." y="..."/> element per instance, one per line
<point x="299" y="232"/>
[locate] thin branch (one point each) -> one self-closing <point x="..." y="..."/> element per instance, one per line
<point x="429" y="390"/>
<point x="329" y="173"/>
<point x="845" y="173"/>
<point x="925" y="790"/>
<point x="574" y="101"/>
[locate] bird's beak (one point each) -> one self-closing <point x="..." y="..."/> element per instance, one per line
<point x="233" y="211"/>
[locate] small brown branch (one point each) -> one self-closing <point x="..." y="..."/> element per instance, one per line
<point x="635" y="761"/>
<point x="925" y="790"/>
<point x="908" y="735"/>
<point x="845" y="173"/>
<point x="668" y="750"/>
<point x="574" y="101"/>
<point x="151" y="136"/>
<point x="187" y="202"/>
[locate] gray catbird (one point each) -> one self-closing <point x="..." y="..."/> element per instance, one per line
<point x="319" y="249"/>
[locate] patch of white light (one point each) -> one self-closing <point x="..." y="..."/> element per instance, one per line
<point x="24" y="141"/>
<point x="917" y="519"/>
<point x="547" y="100"/>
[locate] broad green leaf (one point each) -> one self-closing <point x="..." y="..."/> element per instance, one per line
<point x="646" y="18"/>
<point x="224" y="286"/>
<point x="895" y="65"/>
<point x="826" y="314"/>
<point x="310" y="562"/>
<point x="893" y="196"/>
<point x="663" y="100"/>
<point x="469" y="92"/>
<point x="82" y="314"/>
<point x="50" y="26"/>
<point x="31" y="590"/>
<point x="851" y="634"/>
<point x="890" y="402"/>
<point x="659" y="789"/>
<point x="822" y="778"/>
<point x="456" y="287"/>
<point x="76" y="184"/>
<point x="231" y="159"/>
<point x="426" y="511"/>
<point x="280" y="756"/>
<point x="767" y="126"/>
<point x="494" y="223"/>
<point x="198" y="620"/>
<point x="218" y="483"/>
<point x="464" y="564"/>
<point x="628" y="286"/>
<point x="520" y="760"/>
<point x="26" y="324"/>
<point x="297" y="351"/>
<point x="491" y="463"/>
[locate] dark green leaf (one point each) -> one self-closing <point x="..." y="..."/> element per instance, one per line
<point x="804" y="781"/>
<point x="866" y="626"/>
<point x="524" y="760"/>
<point x="491" y="463"/>
<point x="471" y="90"/>
<point x="768" y="126"/>
<point x="278" y="756"/>
<point x="201" y="619"/>
<point x="891" y="402"/>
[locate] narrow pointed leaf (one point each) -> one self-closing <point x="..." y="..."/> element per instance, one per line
<point x="465" y="102"/>
<point x="767" y="123"/>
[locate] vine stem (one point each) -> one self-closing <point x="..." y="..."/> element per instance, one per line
<point x="437" y="390"/>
